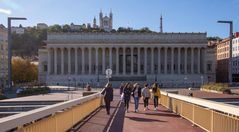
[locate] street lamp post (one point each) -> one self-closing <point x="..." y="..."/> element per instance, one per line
<point x="98" y="78"/>
<point x="69" y="79"/>
<point x="74" y="79"/>
<point x="201" y="79"/>
<point x="185" y="78"/>
<point x="10" y="49"/>
<point x="230" y="50"/>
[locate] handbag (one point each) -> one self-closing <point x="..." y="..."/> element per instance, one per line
<point x="122" y="96"/>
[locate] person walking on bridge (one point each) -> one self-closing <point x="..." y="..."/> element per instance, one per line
<point x="156" y="95"/>
<point x="146" y="96"/>
<point x="136" y="94"/>
<point x="108" y="96"/>
<point x="127" y="94"/>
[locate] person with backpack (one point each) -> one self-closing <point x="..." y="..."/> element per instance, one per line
<point x="146" y="96"/>
<point x="136" y="93"/>
<point x="108" y="96"/>
<point x="156" y="95"/>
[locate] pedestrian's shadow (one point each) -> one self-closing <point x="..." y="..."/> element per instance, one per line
<point x="144" y="119"/>
<point x="162" y="114"/>
<point x="118" y="122"/>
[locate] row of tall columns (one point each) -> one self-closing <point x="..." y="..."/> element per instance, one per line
<point x="124" y="62"/>
<point x="145" y="61"/>
<point x="165" y="62"/>
<point x="172" y="63"/>
<point x="132" y="62"/>
<point x="117" y="61"/>
<point x="138" y="71"/>
<point x="185" y="62"/>
<point x="52" y="59"/>
<point x="179" y="60"/>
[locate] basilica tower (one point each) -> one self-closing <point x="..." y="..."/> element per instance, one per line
<point x="106" y="22"/>
<point x="101" y="19"/>
<point x="161" y="24"/>
<point x="111" y="20"/>
<point x="94" y="23"/>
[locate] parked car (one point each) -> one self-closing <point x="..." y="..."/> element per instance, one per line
<point x="19" y="90"/>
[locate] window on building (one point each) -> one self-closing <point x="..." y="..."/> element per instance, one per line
<point x="45" y="68"/>
<point x="209" y="67"/>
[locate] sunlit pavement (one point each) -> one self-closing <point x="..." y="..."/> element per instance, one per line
<point x="161" y="120"/>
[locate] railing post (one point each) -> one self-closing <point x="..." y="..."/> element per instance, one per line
<point x="20" y="129"/>
<point x="193" y="115"/>
<point x="56" y="123"/>
<point x="181" y="111"/>
<point x="72" y="117"/>
<point x="212" y="121"/>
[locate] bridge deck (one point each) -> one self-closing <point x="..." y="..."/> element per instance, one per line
<point x="120" y="121"/>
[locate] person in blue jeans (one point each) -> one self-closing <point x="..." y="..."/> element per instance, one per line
<point x="136" y="94"/>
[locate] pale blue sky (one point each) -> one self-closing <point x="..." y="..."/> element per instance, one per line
<point x="179" y="15"/>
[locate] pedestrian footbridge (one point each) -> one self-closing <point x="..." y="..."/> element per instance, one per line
<point x="176" y="113"/>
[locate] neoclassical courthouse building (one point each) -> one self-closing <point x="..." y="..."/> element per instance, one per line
<point x="171" y="59"/>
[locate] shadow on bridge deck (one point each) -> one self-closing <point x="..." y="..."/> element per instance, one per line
<point x="120" y="121"/>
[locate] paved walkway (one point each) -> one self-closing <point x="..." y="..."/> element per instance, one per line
<point x="144" y="121"/>
<point x="99" y="121"/>
<point x="162" y="120"/>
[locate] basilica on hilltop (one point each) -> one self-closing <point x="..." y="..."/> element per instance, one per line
<point x="105" y="22"/>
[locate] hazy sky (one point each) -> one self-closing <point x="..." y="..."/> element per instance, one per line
<point x="179" y="15"/>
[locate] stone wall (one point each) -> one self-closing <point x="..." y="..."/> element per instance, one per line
<point x="127" y="38"/>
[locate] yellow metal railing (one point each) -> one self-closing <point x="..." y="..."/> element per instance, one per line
<point x="53" y="118"/>
<point x="62" y="121"/>
<point x="208" y="119"/>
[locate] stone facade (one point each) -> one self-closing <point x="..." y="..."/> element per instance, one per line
<point x="211" y="63"/>
<point x="171" y="59"/>
<point x="3" y="57"/>
<point x="235" y="59"/>
<point x="42" y="26"/>
<point x="222" y="60"/>
<point x="18" y="30"/>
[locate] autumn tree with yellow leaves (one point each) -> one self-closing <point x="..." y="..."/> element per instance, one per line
<point x="23" y="71"/>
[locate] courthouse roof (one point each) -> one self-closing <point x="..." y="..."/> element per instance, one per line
<point x="77" y="38"/>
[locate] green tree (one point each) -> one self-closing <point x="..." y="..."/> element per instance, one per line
<point x="145" y="29"/>
<point x="66" y="28"/>
<point x="27" y="44"/>
<point x="55" y="28"/>
<point x="214" y="38"/>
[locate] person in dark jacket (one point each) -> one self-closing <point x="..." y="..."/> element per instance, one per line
<point x="121" y="88"/>
<point x="127" y="94"/>
<point x="108" y="96"/>
<point x="136" y="94"/>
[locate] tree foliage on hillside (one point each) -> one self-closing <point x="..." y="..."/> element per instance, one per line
<point x="27" y="44"/>
<point x="214" y="38"/>
<point x="127" y="30"/>
<point x="23" y="71"/>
